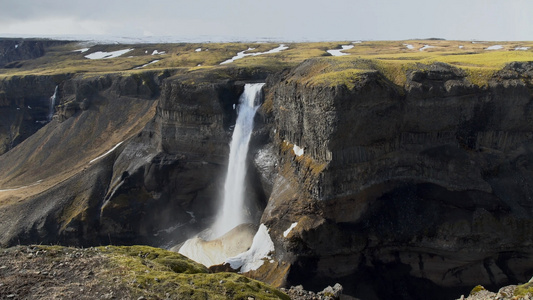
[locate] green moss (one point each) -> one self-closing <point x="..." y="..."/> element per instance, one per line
<point x="477" y="289"/>
<point x="524" y="290"/>
<point x="155" y="272"/>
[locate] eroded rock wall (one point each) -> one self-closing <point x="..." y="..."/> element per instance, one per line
<point x="404" y="190"/>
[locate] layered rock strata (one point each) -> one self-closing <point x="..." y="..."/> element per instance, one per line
<point x="404" y="190"/>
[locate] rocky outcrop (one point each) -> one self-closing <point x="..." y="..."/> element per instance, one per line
<point x="14" y="51"/>
<point x="401" y="191"/>
<point x="24" y="107"/>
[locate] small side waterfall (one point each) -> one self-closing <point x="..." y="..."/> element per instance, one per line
<point x="52" y="105"/>
<point x="231" y="213"/>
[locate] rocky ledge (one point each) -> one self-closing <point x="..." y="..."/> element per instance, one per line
<point x="136" y="272"/>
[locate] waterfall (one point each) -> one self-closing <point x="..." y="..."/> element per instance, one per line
<point x="52" y="105"/>
<point x="232" y="211"/>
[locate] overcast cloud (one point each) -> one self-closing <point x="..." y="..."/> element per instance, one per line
<point x="277" y="19"/>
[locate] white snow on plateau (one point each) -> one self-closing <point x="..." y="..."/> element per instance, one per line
<point x="103" y="155"/>
<point x="152" y="62"/>
<point x="242" y="54"/>
<point x="297" y="150"/>
<point x="82" y="50"/>
<point x="426" y="47"/>
<point x="16" y="46"/>
<point x="286" y="232"/>
<point x="252" y="259"/>
<point x="461" y="47"/>
<point x="107" y="55"/>
<point x="198" y="49"/>
<point x="158" y="52"/>
<point x="495" y="47"/>
<point x="409" y="46"/>
<point x="338" y="52"/>
<point x="521" y="48"/>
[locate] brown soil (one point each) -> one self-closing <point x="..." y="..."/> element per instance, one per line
<point x="27" y="272"/>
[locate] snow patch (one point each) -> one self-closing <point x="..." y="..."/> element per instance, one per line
<point x="22" y="187"/>
<point x="297" y="150"/>
<point x="242" y="54"/>
<point x="409" y="46"/>
<point x="82" y="50"/>
<point x="107" y="55"/>
<point x="168" y="230"/>
<point x="193" y="218"/>
<point x="357" y="42"/>
<point x="103" y="155"/>
<point x="338" y="52"/>
<point x="198" y="49"/>
<point x="426" y="47"/>
<point x="16" y="46"/>
<point x="495" y="47"/>
<point x="286" y="232"/>
<point x="158" y="52"/>
<point x="152" y="62"/>
<point x="252" y="259"/>
<point x="461" y="47"/>
<point x="521" y="48"/>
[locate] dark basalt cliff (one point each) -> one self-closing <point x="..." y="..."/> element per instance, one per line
<point x="404" y="191"/>
<point x="14" y="51"/>
<point x="413" y="192"/>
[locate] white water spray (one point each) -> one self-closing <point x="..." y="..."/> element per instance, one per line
<point x="52" y="105"/>
<point x="232" y="212"/>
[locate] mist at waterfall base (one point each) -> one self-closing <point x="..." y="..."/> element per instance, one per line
<point x="231" y="234"/>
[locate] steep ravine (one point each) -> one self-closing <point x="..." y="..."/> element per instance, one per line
<point x="408" y="192"/>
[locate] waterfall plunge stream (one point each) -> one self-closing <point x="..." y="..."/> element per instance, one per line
<point x="231" y="213"/>
<point x="210" y="250"/>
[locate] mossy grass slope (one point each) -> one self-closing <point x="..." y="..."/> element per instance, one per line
<point x="159" y="274"/>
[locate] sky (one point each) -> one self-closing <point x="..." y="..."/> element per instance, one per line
<point x="283" y="20"/>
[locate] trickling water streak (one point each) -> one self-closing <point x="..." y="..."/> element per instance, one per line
<point x="231" y="213"/>
<point x="52" y="105"/>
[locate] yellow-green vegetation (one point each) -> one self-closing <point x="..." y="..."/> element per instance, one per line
<point x="477" y="289"/>
<point x="391" y="58"/>
<point x="524" y="290"/>
<point x="155" y="272"/>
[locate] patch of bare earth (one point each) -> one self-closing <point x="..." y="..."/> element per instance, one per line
<point x="28" y="272"/>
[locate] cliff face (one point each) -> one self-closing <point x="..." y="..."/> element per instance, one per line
<point x="14" y="51"/>
<point x="426" y="186"/>
<point x="24" y="107"/>
<point x="126" y="159"/>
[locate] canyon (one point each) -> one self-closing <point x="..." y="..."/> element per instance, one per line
<point x="414" y="188"/>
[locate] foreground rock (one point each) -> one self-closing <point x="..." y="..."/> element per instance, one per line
<point x="511" y="292"/>
<point x="137" y="272"/>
